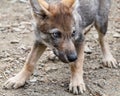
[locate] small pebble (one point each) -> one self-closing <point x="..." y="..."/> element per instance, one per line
<point x="14" y="41"/>
<point x="33" y="80"/>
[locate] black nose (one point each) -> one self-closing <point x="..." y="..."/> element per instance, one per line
<point x="72" y="57"/>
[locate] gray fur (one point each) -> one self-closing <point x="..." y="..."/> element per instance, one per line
<point x="85" y="13"/>
<point x="88" y="11"/>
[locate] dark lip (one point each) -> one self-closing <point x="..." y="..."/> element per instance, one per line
<point x="62" y="58"/>
<point x="65" y="61"/>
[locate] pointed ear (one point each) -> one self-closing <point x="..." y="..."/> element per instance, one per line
<point x="68" y="3"/>
<point x="40" y="6"/>
<point x="35" y="6"/>
<point x="45" y="6"/>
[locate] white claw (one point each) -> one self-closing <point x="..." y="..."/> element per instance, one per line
<point x="110" y="61"/>
<point x="77" y="87"/>
<point x="14" y="82"/>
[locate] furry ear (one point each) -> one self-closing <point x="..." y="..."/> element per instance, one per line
<point x="68" y="3"/>
<point x="35" y="6"/>
<point x="44" y="4"/>
<point x="39" y="7"/>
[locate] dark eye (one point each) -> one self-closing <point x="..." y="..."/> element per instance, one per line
<point x="73" y="34"/>
<point x="56" y="34"/>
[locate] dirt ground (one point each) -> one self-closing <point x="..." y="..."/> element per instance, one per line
<point x="51" y="77"/>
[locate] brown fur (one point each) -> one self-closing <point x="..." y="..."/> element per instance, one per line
<point x="68" y="3"/>
<point x="57" y="19"/>
<point x="61" y="17"/>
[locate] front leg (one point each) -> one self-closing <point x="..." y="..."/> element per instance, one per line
<point x="77" y="85"/>
<point x="19" y="80"/>
<point x="108" y="59"/>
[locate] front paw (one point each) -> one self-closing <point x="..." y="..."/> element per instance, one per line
<point x="15" y="82"/>
<point x="77" y="87"/>
<point x="110" y="61"/>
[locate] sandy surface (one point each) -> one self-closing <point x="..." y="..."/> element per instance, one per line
<point x="51" y="77"/>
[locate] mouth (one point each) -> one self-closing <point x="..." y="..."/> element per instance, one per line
<point x="60" y="55"/>
<point x="64" y="60"/>
<point x="63" y="57"/>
